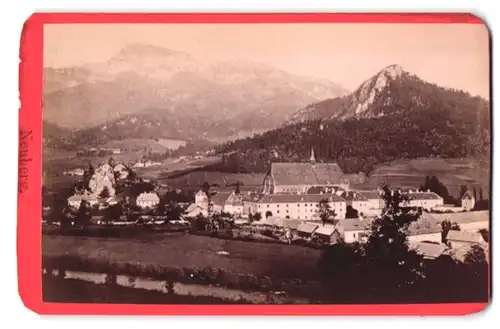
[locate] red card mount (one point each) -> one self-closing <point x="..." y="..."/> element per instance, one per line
<point x="30" y="166"/>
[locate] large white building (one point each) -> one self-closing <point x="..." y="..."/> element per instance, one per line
<point x="227" y="202"/>
<point x="147" y="200"/>
<point x="426" y="200"/>
<point x="76" y="200"/>
<point x="367" y="203"/>
<point x="299" y="206"/>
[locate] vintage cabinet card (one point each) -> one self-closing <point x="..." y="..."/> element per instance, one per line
<point x="255" y="164"/>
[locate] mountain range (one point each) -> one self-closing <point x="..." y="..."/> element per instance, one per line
<point x="175" y="95"/>
<point x="392" y="115"/>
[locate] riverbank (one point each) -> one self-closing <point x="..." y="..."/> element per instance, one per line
<point x="66" y="287"/>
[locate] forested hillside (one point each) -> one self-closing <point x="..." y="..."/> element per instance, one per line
<point x="409" y="118"/>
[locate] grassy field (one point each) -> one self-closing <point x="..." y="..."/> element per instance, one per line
<point x="191" y="251"/>
<point x="57" y="290"/>
<point x="453" y="173"/>
<point x="197" y="178"/>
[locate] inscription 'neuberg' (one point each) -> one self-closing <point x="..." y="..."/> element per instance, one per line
<point x="25" y="136"/>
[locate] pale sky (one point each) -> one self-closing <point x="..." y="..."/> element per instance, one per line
<point x="451" y="55"/>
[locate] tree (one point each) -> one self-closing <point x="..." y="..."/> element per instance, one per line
<point x="351" y="212"/>
<point x="112" y="213"/>
<point x="434" y="185"/>
<point x="387" y="251"/>
<point x="82" y="219"/>
<point x="104" y="193"/>
<point x="269" y="214"/>
<point x="485" y="234"/>
<point x="174" y="211"/>
<point x="161" y="207"/>
<point x="475" y="255"/>
<point x="463" y="190"/>
<point x="325" y="212"/>
<point x="341" y="260"/>
<point x="446" y="227"/>
<point x="206" y="188"/>
<point x="257" y="216"/>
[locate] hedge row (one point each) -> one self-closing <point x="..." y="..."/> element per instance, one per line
<point x="204" y="276"/>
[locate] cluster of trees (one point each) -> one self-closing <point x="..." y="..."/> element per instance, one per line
<point x="419" y="120"/>
<point x="386" y="270"/>
<point x="433" y="184"/>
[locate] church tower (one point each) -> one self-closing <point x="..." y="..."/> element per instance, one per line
<point x="312" y="159"/>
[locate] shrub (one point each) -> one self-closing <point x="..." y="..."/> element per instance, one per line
<point x="210" y="274"/>
<point x="110" y="279"/>
<point x="62" y="272"/>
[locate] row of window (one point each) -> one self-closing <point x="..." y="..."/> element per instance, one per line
<point x="298" y="205"/>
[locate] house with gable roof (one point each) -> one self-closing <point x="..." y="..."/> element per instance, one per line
<point x="228" y="202"/>
<point x="426" y="200"/>
<point x="425" y="229"/>
<point x="326" y="234"/>
<point x="353" y="230"/>
<point x="461" y="239"/>
<point x="361" y="203"/>
<point x="298" y="178"/>
<point x="468" y="201"/>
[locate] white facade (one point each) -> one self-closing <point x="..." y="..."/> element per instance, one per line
<point x="76" y="200"/>
<point x="303" y="207"/>
<point x="433" y="237"/>
<point x="426" y="200"/>
<point x="355" y="236"/>
<point x="468" y="201"/>
<point x="147" y="200"/>
<point x="201" y="199"/>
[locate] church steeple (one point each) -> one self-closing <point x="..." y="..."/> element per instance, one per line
<point x="312" y="159"/>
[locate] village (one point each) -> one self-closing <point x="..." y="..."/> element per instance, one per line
<point x="308" y="203"/>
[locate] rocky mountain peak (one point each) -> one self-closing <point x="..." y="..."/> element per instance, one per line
<point x="139" y="50"/>
<point x="356" y="104"/>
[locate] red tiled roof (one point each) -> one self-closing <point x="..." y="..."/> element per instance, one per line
<point x="296" y="198"/>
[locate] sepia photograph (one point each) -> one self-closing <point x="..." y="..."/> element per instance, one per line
<point x="304" y="163"/>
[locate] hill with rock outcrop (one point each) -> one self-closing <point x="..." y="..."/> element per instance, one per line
<point x="392" y="115"/>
